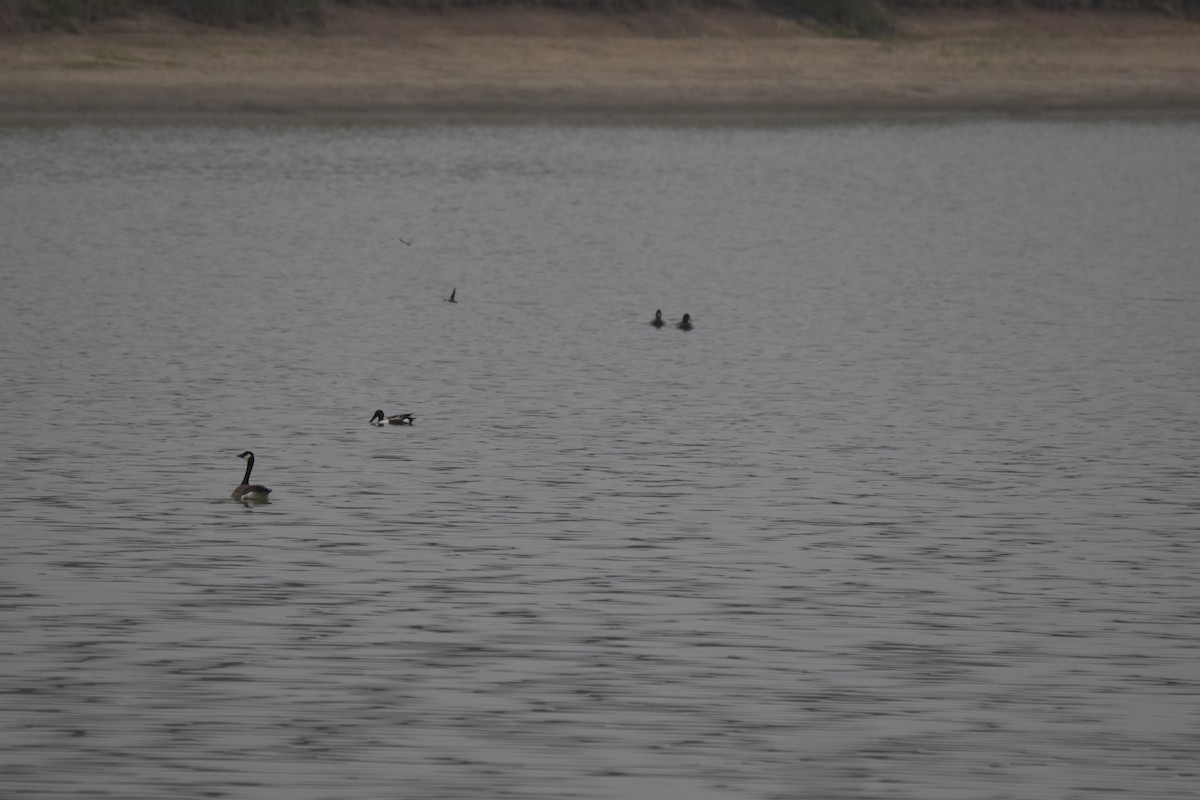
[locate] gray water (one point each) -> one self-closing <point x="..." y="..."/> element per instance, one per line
<point x="911" y="513"/>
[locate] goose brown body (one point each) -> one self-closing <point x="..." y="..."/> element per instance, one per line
<point x="246" y="491"/>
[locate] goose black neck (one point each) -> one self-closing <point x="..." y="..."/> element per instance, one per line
<point x="249" y="466"/>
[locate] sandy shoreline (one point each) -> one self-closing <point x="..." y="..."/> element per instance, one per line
<point x="536" y="61"/>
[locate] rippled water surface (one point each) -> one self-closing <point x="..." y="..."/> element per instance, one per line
<point x="911" y="513"/>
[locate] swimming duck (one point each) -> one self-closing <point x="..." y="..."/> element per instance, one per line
<point x="658" y="320"/>
<point x="247" y="492"/>
<point x="398" y="419"/>
<point x="685" y="324"/>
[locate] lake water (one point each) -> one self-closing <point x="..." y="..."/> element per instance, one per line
<point x="911" y="513"/>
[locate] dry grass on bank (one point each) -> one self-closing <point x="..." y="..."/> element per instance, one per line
<point x="538" y="60"/>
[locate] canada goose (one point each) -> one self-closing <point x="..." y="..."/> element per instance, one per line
<point x="658" y="320"/>
<point x="246" y="492"/>
<point x="685" y="324"/>
<point x="398" y="419"/>
<point x="453" y="292"/>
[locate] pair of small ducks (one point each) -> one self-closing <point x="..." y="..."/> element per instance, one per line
<point x="684" y="324"/>
<point x="247" y="492"/>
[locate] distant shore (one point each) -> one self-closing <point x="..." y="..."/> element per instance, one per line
<point x="529" y="61"/>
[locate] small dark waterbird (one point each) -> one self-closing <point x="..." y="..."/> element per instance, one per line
<point x="685" y="324"/>
<point x="397" y="419"/>
<point x="658" y="320"/>
<point x="247" y="492"/>
<point x="453" y="292"/>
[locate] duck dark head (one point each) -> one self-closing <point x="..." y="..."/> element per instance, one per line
<point x="395" y="419"/>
